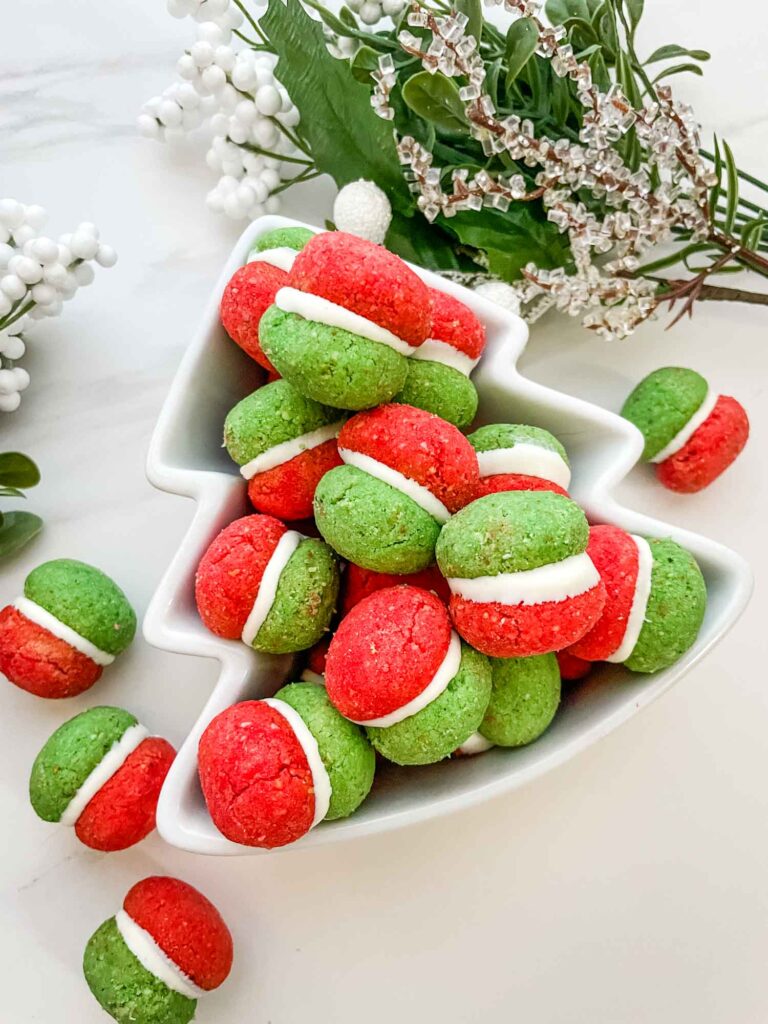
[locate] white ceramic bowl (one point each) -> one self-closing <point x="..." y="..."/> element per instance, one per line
<point x="186" y="457"/>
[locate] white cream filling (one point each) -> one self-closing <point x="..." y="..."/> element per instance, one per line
<point x="282" y="257"/>
<point x="287" y="450"/>
<point x="682" y="437"/>
<point x="415" y="491"/>
<point x="308" y="676"/>
<point x="323" y="311"/>
<point x="636" y="616"/>
<point x="321" y="783"/>
<point x="112" y="762"/>
<point x="265" y="597"/>
<point x="556" y="581"/>
<point x="475" y="744"/>
<point x="33" y="612"/>
<point x="527" y="459"/>
<point x="435" y="351"/>
<point x="153" y="959"/>
<point x="446" y="670"/>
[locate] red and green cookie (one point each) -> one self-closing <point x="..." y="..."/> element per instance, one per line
<point x="405" y="472"/>
<point x="102" y="773"/>
<point x="396" y="666"/>
<point x="656" y="599"/>
<point x="284" y="443"/>
<point x="267" y="585"/>
<point x="252" y="288"/>
<point x="521" y="580"/>
<point x="272" y="769"/>
<point x="358" y="583"/>
<point x="71" y="622"/>
<point x="343" y="326"/>
<point x="691" y="433"/>
<point x="438" y="372"/>
<point x="167" y="946"/>
<point x="516" y="457"/>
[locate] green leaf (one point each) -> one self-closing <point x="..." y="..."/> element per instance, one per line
<point x="474" y="12"/>
<point x="561" y="97"/>
<point x="752" y="232"/>
<point x="678" y="69"/>
<point x="436" y="99"/>
<point x="11" y="492"/>
<point x="672" y="259"/>
<point x="608" y="33"/>
<point x="512" y="239"/>
<point x="581" y="32"/>
<point x="363" y="63"/>
<point x="427" y="245"/>
<point x="348" y="17"/>
<point x="600" y="75"/>
<point x="559" y="11"/>
<point x="522" y="38"/>
<point x="346" y="138"/>
<point x="673" y="50"/>
<point x="17" y="529"/>
<point x="635" y="12"/>
<point x="732" y="189"/>
<point x="594" y="6"/>
<point x="17" y="470"/>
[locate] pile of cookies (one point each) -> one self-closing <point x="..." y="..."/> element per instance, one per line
<point x="439" y="582"/>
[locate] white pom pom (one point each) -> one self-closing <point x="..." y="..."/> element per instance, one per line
<point x="84" y="274"/>
<point x="84" y="246"/>
<point x="13" y="347"/>
<point x="272" y="205"/>
<point x="13" y="287"/>
<point x="291" y="117"/>
<point x="148" y="126"/>
<point x="10" y="402"/>
<point x="238" y="132"/>
<point x="243" y="75"/>
<point x="177" y="8"/>
<point x="44" y="294"/>
<point x="267" y="100"/>
<point x="370" y="13"/>
<point x="45" y="250"/>
<point x="215" y="8"/>
<point x="35" y="216"/>
<point x="361" y="208"/>
<point x="224" y="57"/>
<point x="53" y="309"/>
<point x="201" y="53"/>
<point x="232" y="207"/>
<point x="6" y="252"/>
<point x="501" y="293"/>
<point x="214" y="78"/>
<point x="233" y="18"/>
<point x="265" y="133"/>
<point x="11" y="214"/>
<point x="246" y="112"/>
<point x="106" y="256"/>
<point x="186" y="67"/>
<point x="392" y="7"/>
<point x="22" y="378"/>
<point x="26" y="268"/>
<point x="87" y="227"/>
<point x="211" y="33"/>
<point x="5" y="305"/>
<point x="7" y="382"/>
<point x="169" y="114"/>
<point x="24" y="234"/>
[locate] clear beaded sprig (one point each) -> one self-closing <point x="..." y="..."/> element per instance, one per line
<point x="668" y="192"/>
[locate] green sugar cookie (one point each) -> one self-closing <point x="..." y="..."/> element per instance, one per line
<point x="439" y="389"/>
<point x="525" y="695"/>
<point x="662" y="404"/>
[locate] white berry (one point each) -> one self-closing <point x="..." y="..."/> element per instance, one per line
<point x="13" y="287"/>
<point x="106" y="256"/>
<point x="501" y="293"/>
<point x="83" y="246"/>
<point x="7" y="382"/>
<point x="26" y="268"/>
<point x="13" y="347"/>
<point x="361" y="208"/>
<point x="10" y="402"/>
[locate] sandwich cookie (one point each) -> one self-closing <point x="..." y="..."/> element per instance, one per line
<point x="656" y="599"/>
<point x="571" y="667"/>
<point x="252" y="288"/>
<point x="515" y="457"/>
<point x="395" y="666"/>
<point x="101" y="773"/>
<point x="358" y="583"/>
<point x="691" y="433"/>
<point x="405" y="473"/>
<point x="166" y="947"/>
<point x="343" y="326"/>
<point x="438" y="372"/>
<point x="284" y="443"/>
<point x="272" y="769"/>
<point x="267" y="585"/>
<point x="525" y="695"/>
<point x="71" y="622"/>
<point x="520" y="578"/>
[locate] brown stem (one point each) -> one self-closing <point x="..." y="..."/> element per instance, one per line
<point x="714" y="293"/>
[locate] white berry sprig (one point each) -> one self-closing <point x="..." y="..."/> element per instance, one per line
<point x="233" y="93"/>
<point x="37" y="276"/>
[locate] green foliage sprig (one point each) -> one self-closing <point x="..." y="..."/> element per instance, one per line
<point x="17" y="473"/>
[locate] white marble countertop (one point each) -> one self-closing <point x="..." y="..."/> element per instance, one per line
<point x="628" y="886"/>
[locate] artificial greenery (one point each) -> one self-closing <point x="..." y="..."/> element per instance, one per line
<point x="17" y="473"/>
<point x="341" y="135"/>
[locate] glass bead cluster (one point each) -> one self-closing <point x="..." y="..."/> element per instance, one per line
<point x="37" y="276"/>
<point x="610" y="300"/>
